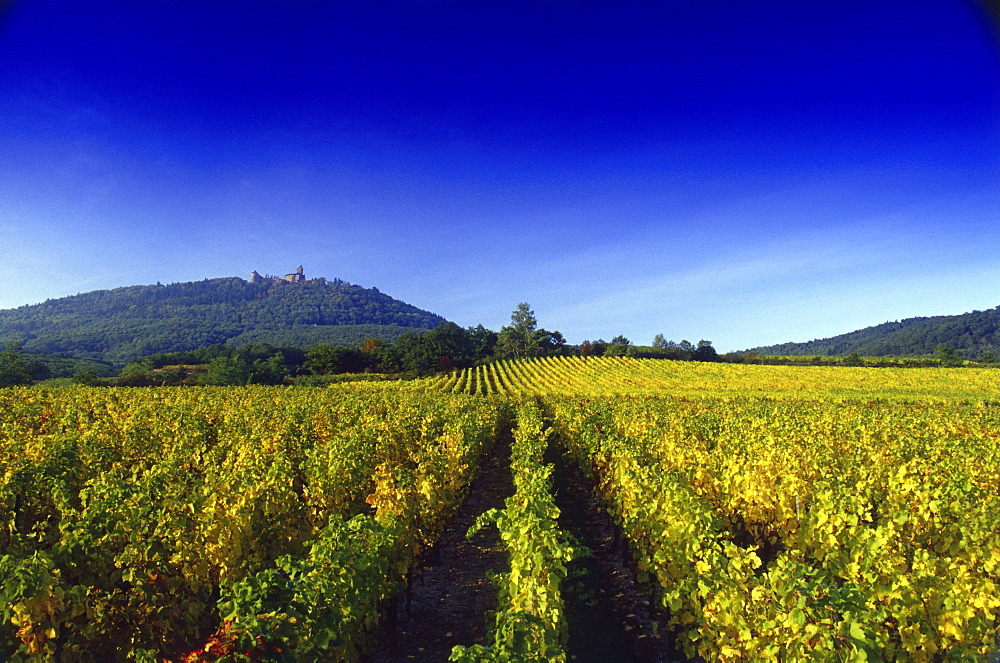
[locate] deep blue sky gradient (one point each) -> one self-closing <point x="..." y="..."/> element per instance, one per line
<point x="745" y="172"/>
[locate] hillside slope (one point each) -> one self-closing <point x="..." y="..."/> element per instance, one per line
<point x="124" y="323"/>
<point x="972" y="334"/>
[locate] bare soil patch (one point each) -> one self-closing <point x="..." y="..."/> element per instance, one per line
<point x="612" y="617"/>
<point x="449" y="594"/>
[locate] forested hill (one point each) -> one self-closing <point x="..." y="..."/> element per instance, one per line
<point x="124" y="323"/>
<point x="972" y="334"/>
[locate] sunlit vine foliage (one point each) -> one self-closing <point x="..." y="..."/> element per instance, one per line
<point x="137" y="522"/>
<point x="782" y="513"/>
<point x="614" y="376"/>
<point x="793" y="513"/>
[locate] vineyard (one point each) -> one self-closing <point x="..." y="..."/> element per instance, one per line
<point x="623" y="376"/>
<point x="772" y="513"/>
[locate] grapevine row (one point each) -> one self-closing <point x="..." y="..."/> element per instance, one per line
<point x="838" y="532"/>
<point x="530" y="623"/>
<point x="616" y="376"/>
<point x="127" y="512"/>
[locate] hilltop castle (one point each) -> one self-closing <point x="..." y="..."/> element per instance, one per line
<point x="297" y="277"/>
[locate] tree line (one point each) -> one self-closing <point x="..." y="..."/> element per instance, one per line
<point x="974" y="336"/>
<point x="444" y="348"/>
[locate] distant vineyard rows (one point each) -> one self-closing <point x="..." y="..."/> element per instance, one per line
<point x="601" y="376"/>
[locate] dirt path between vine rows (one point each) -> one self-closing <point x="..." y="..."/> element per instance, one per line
<point x="608" y="612"/>
<point x="450" y="594"/>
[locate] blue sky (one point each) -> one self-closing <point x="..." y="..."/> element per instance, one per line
<point x="748" y="173"/>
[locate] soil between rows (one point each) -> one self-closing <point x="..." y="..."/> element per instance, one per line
<point x="450" y="595"/>
<point x="608" y="613"/>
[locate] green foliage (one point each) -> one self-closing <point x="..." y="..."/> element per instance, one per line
<point x="269" y="371"/>
<point x="445" y="347"/>
<point x="971" y="334"/>
<point x="127" y="323"/>
<point x="619" y="347"/>
<point x="522" y="338"/>
<point x="947" y="355"/>
<point x="704" y="352"/>
<point x="530" y="623"/>
<point x="619" y="350"/>
<point x="232" y="370"/>
<point x="134" y="523"/>
<point x="327" y="359"/>
<point x="302" y="336"/>
<point x="318" y="606"/>
<point x="88" y="375"/>
<point x="236" y="370"/>
<point x="442" y="349"/>
<point x="519" y="338"/>
<point x="13" y="368"/>
<point x="267" y="365"/>
<point x="853" y="360"/>
<point x="483" y="341"/>
<point x="683" y="351"/>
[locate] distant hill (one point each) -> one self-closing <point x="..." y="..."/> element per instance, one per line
<point x="124" y="323"/>
<point x="972" y="334"/>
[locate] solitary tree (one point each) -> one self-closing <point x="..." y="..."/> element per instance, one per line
<point x="519" y="338"/>
<point x="523" y="338"/>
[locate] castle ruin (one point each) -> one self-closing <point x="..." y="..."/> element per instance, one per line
<point x="297" y="277"/>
